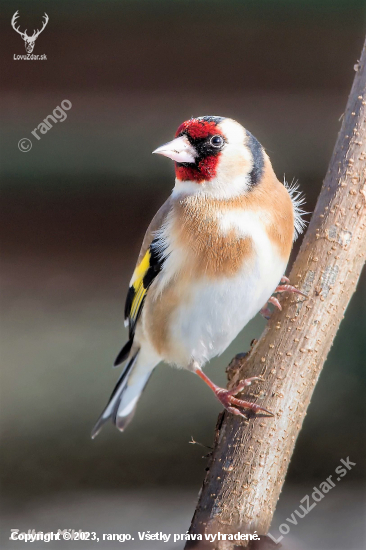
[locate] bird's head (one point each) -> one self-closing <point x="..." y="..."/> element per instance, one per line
<point x="215" y="155"/>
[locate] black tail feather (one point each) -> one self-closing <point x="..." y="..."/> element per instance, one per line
<point x="115" y="398"/>
<point x="124" y="353"/>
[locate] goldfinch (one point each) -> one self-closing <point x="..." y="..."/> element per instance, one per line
<point x="211" y="259"/>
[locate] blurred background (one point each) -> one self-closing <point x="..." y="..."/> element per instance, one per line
<point x="73" y="213"/>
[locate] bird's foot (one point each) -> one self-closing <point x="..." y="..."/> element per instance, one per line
<point x="288" y="288"/>
<point x="265" y="311"/>
<point x="230" y="402"/>
<point x="227" y="397"/>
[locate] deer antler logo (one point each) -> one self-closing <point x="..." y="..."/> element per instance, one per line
<point x="28" y="40"/>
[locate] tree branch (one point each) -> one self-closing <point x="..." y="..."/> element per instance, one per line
<point x="250" y="458"/>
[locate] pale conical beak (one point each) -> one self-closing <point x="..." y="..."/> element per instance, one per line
<point x="179" y="150"/>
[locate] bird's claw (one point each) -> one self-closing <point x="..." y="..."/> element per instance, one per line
<point x="230" y="402"/>
<point x="265" y="311"/>
<point x="290" y="288"/>
<point x="243" y="384"/>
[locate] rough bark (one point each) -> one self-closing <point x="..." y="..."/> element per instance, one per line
<point x="250" y="458"/>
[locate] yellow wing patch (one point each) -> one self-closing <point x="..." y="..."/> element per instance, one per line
<point x="137" y="283"/>
<point x="142" y="277"/>
<point x="140" y="270"/>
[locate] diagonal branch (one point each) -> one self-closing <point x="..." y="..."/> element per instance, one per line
<point x="250" y="459"/>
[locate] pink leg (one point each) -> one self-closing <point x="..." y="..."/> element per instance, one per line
<point x="226" y="397"/>
<point x="285" y="279"/>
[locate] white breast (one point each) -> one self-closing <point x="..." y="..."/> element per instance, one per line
<point x="214" y="311"/>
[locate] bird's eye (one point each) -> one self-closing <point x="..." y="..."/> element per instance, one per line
<point x="217" y="142"/>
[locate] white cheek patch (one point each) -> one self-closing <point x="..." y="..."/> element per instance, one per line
<point x="234" y="132"/>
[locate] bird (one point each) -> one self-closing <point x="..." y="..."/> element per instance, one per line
<point x="211" y="259"/>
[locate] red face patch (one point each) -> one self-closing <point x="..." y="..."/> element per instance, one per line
<point x="204" y="171"/>
<point x="206" y="165"/>
<point x="197" y="128"/>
